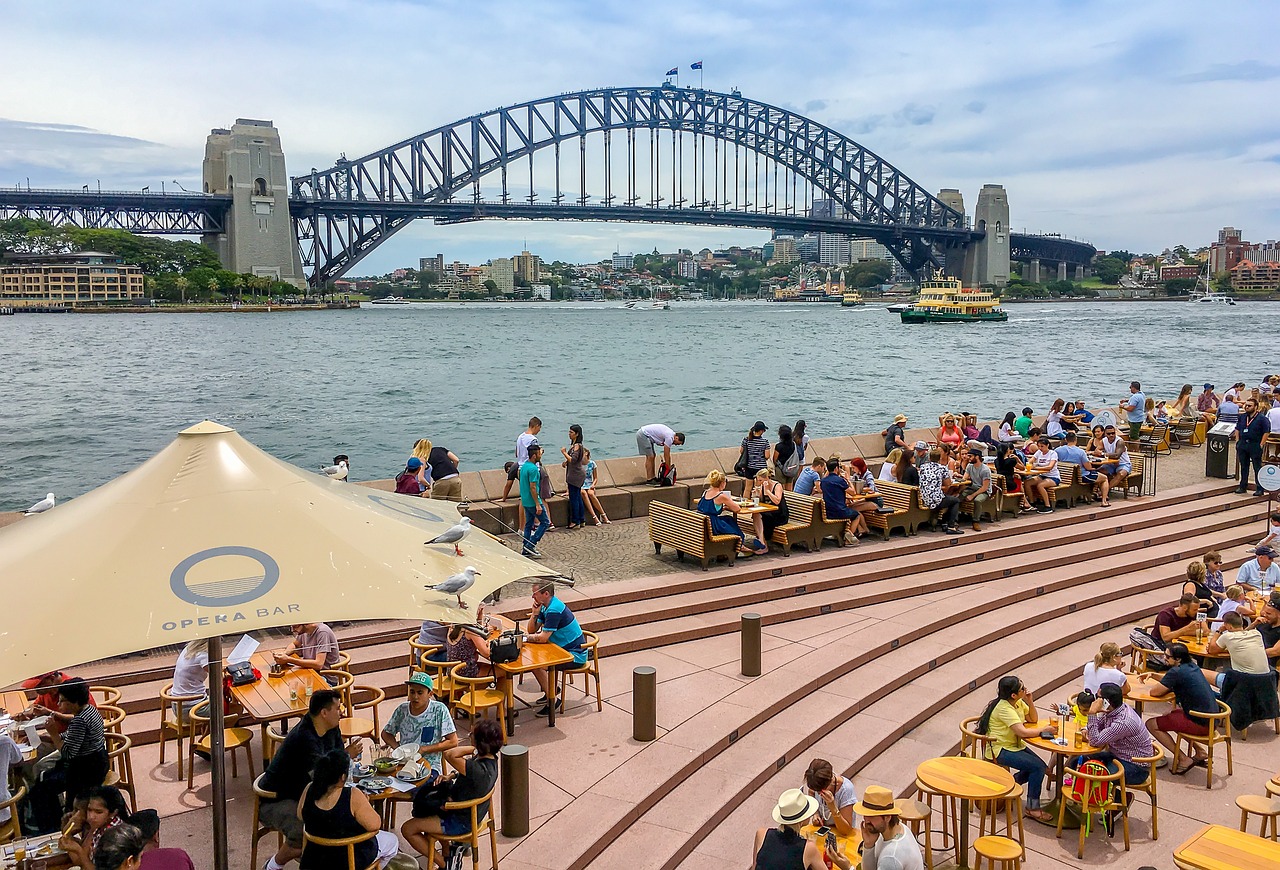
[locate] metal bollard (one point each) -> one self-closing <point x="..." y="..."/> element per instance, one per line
<point x="644" y="703"/>
<point x="514" y="777"/>
<point x="751" y="644"/>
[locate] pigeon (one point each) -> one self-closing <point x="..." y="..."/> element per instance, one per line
<point x="457" y="584"/>
<point x="335" y="472"/>
<point x="453" y="535"/>
<point x="41" y="506"/>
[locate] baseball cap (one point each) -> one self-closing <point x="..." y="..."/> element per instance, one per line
<point x="1208" y="386"/>
<point x="414" y="463"/>
<point x="920" y="445"/>
<point x="1263" y="551"/>
<point x="420" y="678"/>
<point x="34" y="682"/>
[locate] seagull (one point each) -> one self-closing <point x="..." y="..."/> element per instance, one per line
<point x="453" y="535"/>
<point x="41" y="506"/>
<point x="457" y="584"/>
<point x="336" y="472"/>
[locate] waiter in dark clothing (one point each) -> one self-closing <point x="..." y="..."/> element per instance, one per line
<point x="1251" y="427"/>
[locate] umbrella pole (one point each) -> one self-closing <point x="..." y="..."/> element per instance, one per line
<point x="217" y="754"/>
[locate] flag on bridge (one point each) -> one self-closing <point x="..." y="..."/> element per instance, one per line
<point x="697" y="65"/>
<point x="674" y="71"/>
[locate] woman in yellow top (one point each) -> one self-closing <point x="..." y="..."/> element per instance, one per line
<point x="1007" y="720"/>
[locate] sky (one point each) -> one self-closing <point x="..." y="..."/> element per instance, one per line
<point x="1136" y="125"/>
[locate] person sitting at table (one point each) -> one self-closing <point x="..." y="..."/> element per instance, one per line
<point x="784" y="847"/>
<point x="769" y="491"/>
<point x="1105" y="668"/>
<point x="191" y="676"/>
<point x="810" y="475"/>
<point x="82" y="761"/>
<point x="1192" y="694"/>
<point x="1248" y="653"/>
<point x="422" y="720"/>
<point x="551" y="621"/>
<point x="459" y="647"/>
<point x="474" y="774"/>
<point x="886" y="844"/>
<point x="1235" y="602"/>
<point x="10" y="756"/>
<point x="121" y="848"/>
<point x="327" y="808"/>
<point x="47" y="753"/>
<point x="104" y="810"/>
<point x="977" y="485"/>
<point x="836" y="498"/>
<point x="154" y="856"/>
<point x="314" y="646"/>
<point x="1267" y="623"/>
<point x="904" y="470"/>
<point x="1177" y="620"/>
<point x="949" y="433"/>
<point x="1196" y="585"/>
<point x="863" y="482"/>
<point x="290" y="771"/>
<point x="1008" y="719"/>
<point x="890" y="463"/>
<point x="432" y="633"/>
<point x="1009" y="467"/>
<point x="835" y="795"/>
<point x="943" y="507"/>
<point x="715" y="501"/>
<point x="1117" y="728"/>
<point x="1261" y="572"/>
<point x="1042" y="476"/>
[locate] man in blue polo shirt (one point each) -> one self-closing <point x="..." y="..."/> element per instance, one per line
<point x="553" y="622"/>
<point x="1134" y="409"/>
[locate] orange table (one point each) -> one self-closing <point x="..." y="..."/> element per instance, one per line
<point x="1140" y="693"/>
<point x="268" y="699"/>
<point x="533" y="657"/>
<point x="14" y="703"/>
<point x="848" y="845"/>
<point x="1060" y="755"/>
<point x="969" y="779"/>
<point x="1221" y="848"/>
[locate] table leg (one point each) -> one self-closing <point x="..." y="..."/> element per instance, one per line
<point x="962" y="833"/>
<point x="551" y="697"/>
<point x="509" y="682"/>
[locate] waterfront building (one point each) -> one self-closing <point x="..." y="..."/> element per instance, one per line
<point x="527" y="266"/>
<point x="82" y="278"/>
<point x="784" y="251"/>
<point x="1231" y="249"/>
<point x="687" y="269"/>
<point x="540" y="291"/>
<point x="623" y="262"/>
<point x="833" y="249"/>
<point x="1179" y="270"/>
<point x="861" y="250"/>
<point x="1248" y="275"/>
<point x="432" y="264"/>
<point x="502" y="272"/>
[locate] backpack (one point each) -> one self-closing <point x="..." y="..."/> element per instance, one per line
<point x="791" y="465"/>
<point x="1098" y="793"/>
<point x="1139" y="638"/>
<point x="667" y="474"/>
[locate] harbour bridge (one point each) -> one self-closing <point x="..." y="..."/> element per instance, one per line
<point x="649" y="154"/>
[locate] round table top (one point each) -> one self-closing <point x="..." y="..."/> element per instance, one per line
<point x="965" y="778"/>
<point x="1069" y="734"/>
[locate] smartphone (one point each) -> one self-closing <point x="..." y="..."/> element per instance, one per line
<point x="831" y="841"/>
<point x="824" y="831"/>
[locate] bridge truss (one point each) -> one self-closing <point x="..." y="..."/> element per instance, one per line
<point x="148" y="213"/>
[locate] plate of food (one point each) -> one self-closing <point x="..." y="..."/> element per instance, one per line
<point x="374" y="784"/>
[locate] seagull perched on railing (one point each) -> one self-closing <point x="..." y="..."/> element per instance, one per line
<point x="457" y="584"/>
<point x="453" y="535"/>
<point x="41" y="506"/>
<point x="335" y="472"/>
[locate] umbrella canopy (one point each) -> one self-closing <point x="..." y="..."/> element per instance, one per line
<point x="213" y="536"/>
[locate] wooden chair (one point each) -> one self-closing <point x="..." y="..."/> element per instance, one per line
<point x="1219" y="732"/>
<point x="417" y="650"/>
<point x="12" y="829"/>
<point x="1267" y="808"/>
<point x="590" y="670"/>
<point x="441" y="674"/>
<point x="364" y="698"/>
<point x="259" y="830"/>
<point x="1001" y="853"/>
<point x="948" y="811"/>
<point x="476" y="696"/>
<point x="1138" y="660"/>
<point x="232" y="739"/>
<point x="120" y="766"/>
<point x="472" y="838"/>
<point x="341" y="682"/>
<point x="349" y="843"/>
<point x="105" y="694"/>
<point x="178" y="724"/>
<point x="972" y="743"/>
<point x="1114" y="783"/>
<point x="1149" y="786"/>
<point x="344" y="662"/>
<point x="272" y="737"/>
<point x="112" y="718"/>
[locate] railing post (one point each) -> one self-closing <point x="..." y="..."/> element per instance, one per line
<point x="514" y="776"/>
<point x="644" y="703"/>
<point x="751" y="644"/>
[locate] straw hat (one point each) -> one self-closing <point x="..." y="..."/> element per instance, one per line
<point x="794" y="807"/>
<point x="877" y="801"/>
<point x="901" y="418"/>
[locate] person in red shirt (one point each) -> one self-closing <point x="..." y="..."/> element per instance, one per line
<point x="154" y="856"/>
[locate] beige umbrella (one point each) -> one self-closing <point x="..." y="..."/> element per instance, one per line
<point x="212" y="536"/>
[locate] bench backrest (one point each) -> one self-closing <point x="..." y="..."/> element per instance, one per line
<point x="663" y="515"/>
<point x="898" y="496"/>
<point x="1069" y="473"/>
<point x="800" y="507"/>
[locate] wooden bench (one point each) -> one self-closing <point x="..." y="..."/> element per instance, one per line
<point x="823" y="527"/>
<point x="688" y="532"/>
<point x="800" y="528"/>
<point x="990" y="508"/>
<point x="907" y="513"/>
<point x="1076" y="490"/>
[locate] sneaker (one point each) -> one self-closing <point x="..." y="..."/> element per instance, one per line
<point x="1027" y="510"/>
<point x="653" y="481"/>
<point x="954" y="530"/>
<point x="545" y="709"/>
<point x="531" y="554"/>
<point x="1240" y="490"/>
<point x="1044" y="510"/>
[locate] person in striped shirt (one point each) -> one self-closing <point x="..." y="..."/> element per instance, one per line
<point x="1119" y="728"/>
<point x="84" y="756"/>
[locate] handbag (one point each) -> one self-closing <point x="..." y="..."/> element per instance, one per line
<point x="505" y="648"/>
<point x="429" y="799"/>
<point x="740" y="467"/>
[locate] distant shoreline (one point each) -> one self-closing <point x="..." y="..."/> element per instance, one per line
<point x="196" y="309"/>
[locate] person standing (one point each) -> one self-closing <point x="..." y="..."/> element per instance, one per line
<point x="755" y="452"/>
<point x="1252" y="427"/>
<point x="575" y="475"/>
<point x="786" y="457"/>
<point x="648" y="439"/>
<point x="1134" y="409"/>
<point x="801" y="437"/>
<point x="535" y="511"/>
<point x="523" y="441"/>
<point x="446" y="483"/>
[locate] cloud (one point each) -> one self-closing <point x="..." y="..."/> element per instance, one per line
<point x="975" y="106"/>
<point x="815" y="105"/>
<point x="1245" y="71"/>
<point x="916" y="115"/>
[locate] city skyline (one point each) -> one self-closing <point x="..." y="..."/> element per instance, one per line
<point x="1131" y="128"/>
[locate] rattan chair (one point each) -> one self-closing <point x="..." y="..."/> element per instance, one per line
<point x="590" y="670"/>
<point x="1219" y="732"/>
<point x="12" y="829"/>
<point x="472" y="837"/>
<point x="176" y="724"/>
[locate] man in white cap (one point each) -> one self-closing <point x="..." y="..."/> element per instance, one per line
<point x="783" y="847"/>
<point x="886" y="845"/>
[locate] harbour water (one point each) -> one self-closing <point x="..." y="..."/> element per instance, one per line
<point x="83" y="399"/>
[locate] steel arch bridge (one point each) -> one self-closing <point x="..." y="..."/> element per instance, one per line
<point x="657" y="154"/>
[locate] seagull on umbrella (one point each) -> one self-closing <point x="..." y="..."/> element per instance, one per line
<point x="457" y="584"/>
<point x="41" y="506"/>
<point x="453" y="535"/>
<point x="336" y="472"/>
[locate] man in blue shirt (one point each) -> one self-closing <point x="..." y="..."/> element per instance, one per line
<point x="1082" y="411"/>
<point x="1070" y="451"/>
<point x="1252" y="427"/>
<point x="535" y="510"/>
<point x="1261" y="572"/>
<point x="810" y="476"/>
<point x="1134" y="409"/>
<point x="553" y="622"/>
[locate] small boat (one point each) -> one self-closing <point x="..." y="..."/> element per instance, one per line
<point x="1213" y="298"/>
<point x="647" y="305"/>
<point x="391" y="300"/>
<point x="899" y="307"/>
<point x="945" y="300"/>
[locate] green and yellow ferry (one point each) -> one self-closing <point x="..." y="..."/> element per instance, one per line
<point x="944" y="300"/>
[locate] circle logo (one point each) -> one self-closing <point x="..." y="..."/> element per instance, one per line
<point x="407" y="509"/>
<point x="224" y="576"/>
<point x="1269" y="478"/>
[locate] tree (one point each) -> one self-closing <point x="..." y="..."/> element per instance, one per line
<point x="1123" y="256"/>
<point x="182" y="283"/>
<point x="491" y="285"/>
<point x="1179" y="286"/>
<point x="1222" y="282"/>
<point x="1109" y="269"/>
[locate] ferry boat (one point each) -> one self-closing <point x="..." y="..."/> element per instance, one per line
<point x="391" y="300"/>
<point x="944" y="300"/>
<point x="851" y="298"/>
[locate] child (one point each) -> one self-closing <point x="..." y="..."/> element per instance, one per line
<point x="1273" y="533"/>
<point x="589" y="497"/>
<point x="1235" y="603"/>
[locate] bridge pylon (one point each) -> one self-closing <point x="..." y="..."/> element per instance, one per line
<point x="247" y="163"/>
<point x="987" y="260"/>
